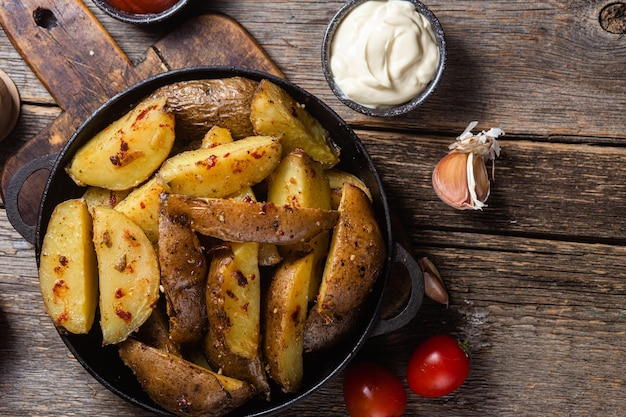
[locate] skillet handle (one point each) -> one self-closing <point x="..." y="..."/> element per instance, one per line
<point x="14" y="188"/>
<point x="415" y="299"/>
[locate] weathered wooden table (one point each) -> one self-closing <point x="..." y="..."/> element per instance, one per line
<point x="537" y="280"/>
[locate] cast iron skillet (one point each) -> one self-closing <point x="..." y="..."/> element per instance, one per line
<point x="103" y="362"/>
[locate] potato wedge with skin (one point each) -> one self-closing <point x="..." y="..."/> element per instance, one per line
<point x="336" y="180"/>
<point x="233" y="295"/>
<point x="249" y="221"/>
<point x="223" y="170"/>
<point x="68" y="273"/>
<point x="268" y="252"/>
<point x="275" y="113"/>
<point x="321" y="334"/>
<point x="201" y="104"/>
<point x="237" y="290"/>
<point x="128" y="274"/>
<point x="96" y="196"/>
<point x="355" y="258"/>
<point x="299" y="181"/>
<point x="155" y="332"/>
<point x="251" y="371"/>
<point x="181" y="387"/>
<point x="216" y="136"/>
<point x="285" y="315"/>
<point x="184" y="269"/>
<point x="142" y="206"/>
<point x="128" y="151"/>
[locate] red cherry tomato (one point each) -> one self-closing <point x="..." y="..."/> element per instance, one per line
<point x="371" y="390"/>
<point x="438" y="366"/>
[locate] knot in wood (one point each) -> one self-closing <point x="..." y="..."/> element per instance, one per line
<point x="613" y="18"/>
<point x="44" y="18"/>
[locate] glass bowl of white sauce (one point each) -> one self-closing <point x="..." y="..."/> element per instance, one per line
<point x="383" y="57"/>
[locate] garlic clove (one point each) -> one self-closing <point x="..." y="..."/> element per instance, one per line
<point x="434" y="286"/>
<point x="478" y="180"/>
<point x="461" y="180"/>
<point x="450" y="180"/>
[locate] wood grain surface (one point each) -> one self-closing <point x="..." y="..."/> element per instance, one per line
<point x="537" y="280"/>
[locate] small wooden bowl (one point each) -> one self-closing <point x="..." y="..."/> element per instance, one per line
<point x="9" y="105"/>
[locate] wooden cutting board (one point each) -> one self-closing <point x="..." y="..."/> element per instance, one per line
<point x="82" y="67"/>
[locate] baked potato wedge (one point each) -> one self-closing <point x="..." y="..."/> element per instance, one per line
<point x="201" y="104"/>
<point x="250" y="221"/>
<point x="235" y="290"/>
<point x="68" y="272"/>
<point x="155" y="332"/>
<point x="184" y="269"/>
<point x="96" y="196"/>
<point x="222" y="170"/>
<point x="336" y="180"/>
<point x="128" y="151"/>
<point x="285" y="315"/>
<point x="275" y="113"/>
<point x="299" y="181"/>
<point x="355" y="258"/>
<point x="180" y="386"/>
<point x="128" y="271"/>
<point x="216" y="136"/>
<point x="321" y="334"/>
<point x="233" y="295"/>
<point x="142" y="206"/>
<point x="269" y="254"/>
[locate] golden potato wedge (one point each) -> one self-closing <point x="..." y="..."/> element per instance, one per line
<point x="142" y="207"/>
<point x="355" y="258"/>
<point x="128" y="151"/>
<point x="250" y="221"/>
<point x="235" y="291"/>
<point x="299" y="181"/>
<point x="337" y="179"/>
<point x="275" y="113"/>
<point x="216" y="136"/>
<point x="233" y="295"/>
<point x="128" y="274"/>
<point x="68" y="273"/>
<point x="223" y="170"/>
<point x="201" y="104"/>
<point x="96" y="196"/>
<point x="181" y="387"/>
<point x="184" y="271"/>
<point x="285" y="315"/>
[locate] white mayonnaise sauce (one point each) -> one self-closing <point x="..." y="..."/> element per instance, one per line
<point x="383" y="53"/>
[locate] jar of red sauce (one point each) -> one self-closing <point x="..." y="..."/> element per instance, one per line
<point x="142" y="6"/>
<point x="142" y="12"/>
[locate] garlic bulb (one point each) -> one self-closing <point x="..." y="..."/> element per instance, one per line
<point x="460" y="179"/>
